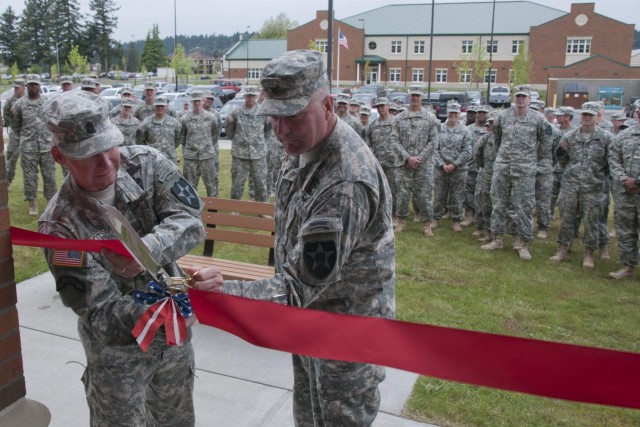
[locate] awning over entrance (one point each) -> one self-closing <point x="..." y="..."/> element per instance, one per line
<point x="371" y="59"/>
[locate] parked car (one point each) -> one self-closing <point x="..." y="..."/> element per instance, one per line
<point x="377" y="90"/>
<point x="475" y="97"/>
<point x="500" y="96"/>
<point x="444" y="98"/>
<point x="226" y="110"/>
<point x="365" y="97"/>
<point x="215" y="89"/>
<point x="534" y="96"/>
<point x="403" y="97"/>
<point x="228" y="84"/>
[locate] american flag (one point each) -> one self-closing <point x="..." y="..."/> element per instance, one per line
<point x="342" y="40"/>
<point x="68" y="258"/>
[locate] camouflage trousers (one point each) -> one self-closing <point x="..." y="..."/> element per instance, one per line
<point x="576" y="205"/>
<point x="243" y="169"/>
<point x="154" y="389"/>
<point x="30" y="163"/>
<point x="626" y="216"/>
<point x="512" y="195"/>
<point x="470" y="190"/>
<point x="419" y="183"/>
<point x="274" y="163"/>
<point x="555" y="191"/>
<point x="12" y="155"/>
<point x="450" y="192"/>
<point x="544" y="187"/>
<point x="329" y="393"/>
<point x="206" y="169"/>
<point x="391" y="174"/>
<point x="483" y="200"/>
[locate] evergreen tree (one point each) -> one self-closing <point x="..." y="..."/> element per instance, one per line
<point x="65" y="26"/>
<point x="99" y="30"/>
<point x="152" y="53"/>
<point x="34" y="34"/>
<point x="9" y="48"/>
<point x="132" y="57"/>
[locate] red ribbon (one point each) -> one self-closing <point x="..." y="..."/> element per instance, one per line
<point x="543" y="368"/>
<point x="163" y="312"/>
<point x="22" y="237"/>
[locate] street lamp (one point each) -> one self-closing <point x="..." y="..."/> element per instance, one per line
<point x="58" y="58"/>
<point x="363" y="62"/>
<point x="248" y="26"/>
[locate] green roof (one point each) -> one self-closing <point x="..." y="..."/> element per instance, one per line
<point x="511" y="17"/>
<point x="259" y="49"/>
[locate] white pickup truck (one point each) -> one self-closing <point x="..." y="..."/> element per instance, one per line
<point x="500" y="96"/>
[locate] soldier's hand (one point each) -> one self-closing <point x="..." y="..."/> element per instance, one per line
<point x="413" y="162"/>
<point x="630" y="185"/>
<point x="121" y="265"/>
<point x="208" y="279"/>
<point x="230" y="118"/>
<point x="564" y="145"/>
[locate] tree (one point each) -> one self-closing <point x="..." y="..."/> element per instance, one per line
<point x="521" y="67"/>
<point x="9" y="23"/>
<point x="65" y="26"/>
<point x="152" y="55"/>
<point x="103" y="23"/>
<point x="132" y="57"/>
<point x="276" y="28"/>
<point x="180" y="62"/>
<point x="78" y="63"/>
<point x="476" y="61"/>
<point x="34" y="34"/>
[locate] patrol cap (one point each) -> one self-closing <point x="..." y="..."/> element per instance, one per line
<point x="618" y="116"/>
<point x="209" y="94"/>
<point x="66" y="79"/>
<point x="354" y="101"/>
<point x="381" y="101"/>
<point x="561" y="111"/>
<point x="453" y="107"/>
<point x="127" y="102"/>
<point x="472" y="108"/>
<point x="536" y="107"/>
<point x="493" y="115"/>
<point x="290" y="80"/>
<point x="160" y="102"/>
<point x="590" y="108"/>
<point x="393" y="107"/>
<point x="342" y="98"/>
<point x="416" y="90"/>
<point x="251" y="91"/>
<point x="628" y="123"/>
<point x="549" y="110"/>
<point x="197" y="96"/>
<point x="18" y="83"/>
<point x="482" y="109"/>
<point x="33" y="78"/>
<point x="365" y="110"/>
<point x="79" y="124"/>
<point x="126" y="91"/>
<point x="522" y="90"/>
<point x="149" y="86"/>
<point x="89" y="83"/>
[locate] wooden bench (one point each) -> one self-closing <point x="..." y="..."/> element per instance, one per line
<point x="243" y="222"/>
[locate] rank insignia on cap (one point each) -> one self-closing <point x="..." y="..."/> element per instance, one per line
<point x="185" y="193"/>
<point x="67" y="258"/>
<point x="90" y="128"/>
<point x="320" y="257"/>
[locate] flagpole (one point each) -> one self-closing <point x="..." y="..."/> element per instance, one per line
<point x="338" y="71"/>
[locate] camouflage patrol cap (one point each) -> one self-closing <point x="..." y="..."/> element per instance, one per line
<point x="33" y="78"/>
<point x="549" y="110"/>
<point x="66" y="80"/>
<point x="590" y="108"/>
<point x="126" y="91"/>
<point x="522" y="90"/>
<point x="561" y="111"/>
<point x="127" y="102"/>
<point x="493" y="115"/>
<point x="89" y="83"/>
<point x="290" y="80"/>
<point x="354" y="101"/>
<point x="416" y="90"/>
<point x="483" y="109"/>
<point x="393" y="107"/>
<point x="365" y="110"/>
<point x="18" y="83"/>
<point x="618" y="116"/>
<point x="251" y="91"/>
<point x="536" y="106"/>
<point x="149" y="86"/>
<point x="160" y="102"/>
<point x="342" y="98"/>
<point x="79" y="124"/>
<point x="472" y="108"/>
<point x="197" y="96"/>
<point x="453" y="107"/>
<point x="381" y="101"/>
<point x="628" y="123"/>
<point x="209" y="94"/>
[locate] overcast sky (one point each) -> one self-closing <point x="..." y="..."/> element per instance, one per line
<point x="194" y="17"/>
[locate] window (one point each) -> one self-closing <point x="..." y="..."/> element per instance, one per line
<point x="465" y="76"/>
<point x="516" y="45"/>
<point x="417" y="75"/>
<point x="372" y="45"/>
<point x="396" y="47"/>
<point x="493" y="76"/>
<point x="467" y="46"/>
<point x="321" y="46"/>
<point x="579" y="46"/>
<point x="441" y="75"/>
<point x="394" y="74"/>
<point x="418" y="47"/>
<point x="492" y="47"/>
<point x="255" y="73"/>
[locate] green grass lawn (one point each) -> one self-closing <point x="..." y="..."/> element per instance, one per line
<point x="449" y="281"/>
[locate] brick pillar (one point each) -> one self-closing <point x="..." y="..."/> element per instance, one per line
<point x="15" y="409"/>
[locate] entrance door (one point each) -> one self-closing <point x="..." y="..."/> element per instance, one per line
<point x="372" y="78"/>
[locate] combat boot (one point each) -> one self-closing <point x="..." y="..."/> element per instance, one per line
<point x="456" y="227"/>
<point x="401" y="225"/>
<point x="434" y="224"/>
<point x="542" y="234"/>
<point x="447" y="215"/>
<point x="416" y="216"/>
<point x="587" y="258"/>
<point x="496" y="243"/>
<point x="468" y="218"/>
<point x="426" y="229"/>
<point x="516" y="243"/>
<point x="487" y="238"/>
<point x="33" y="208"/>
<point x="561" y="255"/>
<point x="626" y="271"/>
<point x="604" y="253"/>
<point x="478" y="233"/>
<point x="523" y="252"/>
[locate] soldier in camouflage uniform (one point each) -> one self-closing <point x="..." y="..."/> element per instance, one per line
<point x="484" y="154"/>
<point x="519" y="133"/>
<point x="90" y="85"/>
<point x="601" y="121"/>
<point x="126" y="93"/>
<point x="564" y="116"/>
<point x="147" y="108"/>
<point x="123" y="384"/>
<point x="342" y="110"/>
<point x="544" y="177"/>
<point x="416" y="135"/>
<point x="275" y="155"/>
<point x="200" y="131"/>
<point x="127" y="123"/>
<point x="624" y="163"/>
<point x="13" y="145"/>
<point x="477" y="129"/>
<point x="451" y="157"/>
<point x="354" y="108"/>
<point x="379" y="138"/>
<point x="584" y="152"/>
<point x="35" y="144"/>
<point x="247" y="132"/>
<point x="161" y="131"/>
<point x="66" y="83"/>
<point x="365" y="113"/>
<point x="335" y="247"/>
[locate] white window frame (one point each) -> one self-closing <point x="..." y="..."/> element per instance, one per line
<point x="578" y="46"/>
<point x="442" y="75"/>
<point x="516" y="45"/>
<point x="467" y="46"/>
<point x="417" y="75"/>
<point x="396" y="46"/>
<point x="322" y="45"/>
<point x="495" y="46"/>
<point x="465" y="75"/>
<point x="255" y="73"/>
<point x="494" y="75"/>
<point x="418" y="46"/>
<point x="395" y="74"/>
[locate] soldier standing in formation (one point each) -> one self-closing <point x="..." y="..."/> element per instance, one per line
<point x="147" y="108"/>
<point x="477" y="129"/>
<point x="484" y="154"/>
<point x="544" y="178"/>
<point x="13" y="146"/>
<point x="564" y="117"/>
<point x="127" y="123"/>
<point x="161" y="131"/>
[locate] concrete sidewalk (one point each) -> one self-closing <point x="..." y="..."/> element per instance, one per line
<point x="236" y="383"/>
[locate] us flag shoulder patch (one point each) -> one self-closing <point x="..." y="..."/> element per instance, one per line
<point x="68" y="258"/>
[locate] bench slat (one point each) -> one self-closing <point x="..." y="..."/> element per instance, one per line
<point x="230" y="270"/>
<point x="245" y="206"/>
<point x="240" y="237"/>
<point x="241" y="221"/>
